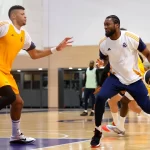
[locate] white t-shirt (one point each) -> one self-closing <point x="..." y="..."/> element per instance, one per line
<point x="4" y="26"/>
<point x="123" y="56"/>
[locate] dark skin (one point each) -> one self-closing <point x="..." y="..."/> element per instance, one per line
<point x="91" y="64"/>
<point x="112" y="30"/>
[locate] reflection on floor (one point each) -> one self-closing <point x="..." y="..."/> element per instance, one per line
<point x="67" y="130"/>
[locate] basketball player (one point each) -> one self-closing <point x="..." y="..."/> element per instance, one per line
<point x="126" y="101"/>
<point x="90" y="83"/>
<point x="13" y="38"/>
<point x="122" y="49"/>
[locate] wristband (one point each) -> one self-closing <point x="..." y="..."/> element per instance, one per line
<point x="53" y="50"/>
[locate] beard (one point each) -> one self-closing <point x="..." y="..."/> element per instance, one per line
<point x="110" y="33"/>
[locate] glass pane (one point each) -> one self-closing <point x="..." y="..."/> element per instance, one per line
<point x="27" y="81"/>
<point x="67" y="78"/>
<point x="36" y="81"/>
<point x="45" y="80"/>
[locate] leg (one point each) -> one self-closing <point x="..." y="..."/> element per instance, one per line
<point x="118" y="126"/>
<point x="16" y="107"/>
<point x="136" y="108"/>
<point x="113" y="103"/>
<point x="124" y="106"/>
<point x="86" y="97"/>
<point x="114" y="107"/>
<point x="139" y="92"/>
<point x="110" y="87"/>
<point x="7" y="96"/>
<point x="15" y="113"/>
<point x="125" y="100"/>
<point x="93" y="99"/>
<point x="123" y="113"/>
<point x="93" y="102"/>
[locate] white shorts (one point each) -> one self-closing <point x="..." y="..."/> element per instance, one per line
<point x="128" y="96"/>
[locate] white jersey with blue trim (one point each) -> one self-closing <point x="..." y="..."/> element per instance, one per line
<point x="123" y="56"/>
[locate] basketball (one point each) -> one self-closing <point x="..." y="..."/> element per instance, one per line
<point x="147" y="78"/>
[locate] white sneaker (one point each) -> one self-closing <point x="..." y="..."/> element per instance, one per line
<point x="21" y="139"/>
<point x="116" y="130"/>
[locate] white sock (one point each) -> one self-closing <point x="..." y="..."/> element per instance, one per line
<point x="16" y="128"/>
<point x="115" y="117"/>
<point x="85" y="111"/>
<point x="143" y="114"/>
<point x="121" y="123"/>
<point x="99" y="128"/>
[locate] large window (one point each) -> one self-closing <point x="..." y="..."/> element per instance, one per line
<point x="36" y="81"/>
<point x="27" y="81"/>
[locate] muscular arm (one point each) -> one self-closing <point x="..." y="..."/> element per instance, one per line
<point x="146" y="53"/>
<point x="36" y="54"/>
<point x="104" y="74"/>
<point x="144" y="50"/>
<point x="104" y="58"/>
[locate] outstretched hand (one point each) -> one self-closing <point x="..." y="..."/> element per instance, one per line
<point x="67" y="42"/>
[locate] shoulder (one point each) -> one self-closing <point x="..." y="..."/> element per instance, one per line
<point x="25" y="31"/>
<point x="131" y="35"/>
<point x="5" y="23"/>
<point x="102" y="41"/>
<point x="27" y="35"/>
<point x="4" y="26"/>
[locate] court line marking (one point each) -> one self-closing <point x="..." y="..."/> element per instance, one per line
<point x="60" y="145"/>
<point x="49" y="130"/>
<point x="57" y="131"/>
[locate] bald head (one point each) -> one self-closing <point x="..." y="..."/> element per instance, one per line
<point x="91" y="64"/>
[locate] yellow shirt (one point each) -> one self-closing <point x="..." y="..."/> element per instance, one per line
<point x="141" y="67"/>
<point x="142" y="71"/>
<point x="11" y="42"/>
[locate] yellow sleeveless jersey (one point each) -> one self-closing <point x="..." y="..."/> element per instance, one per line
<point x="10" y="45"/>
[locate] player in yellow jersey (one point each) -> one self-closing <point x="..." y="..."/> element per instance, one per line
<point x="13" y="38"/>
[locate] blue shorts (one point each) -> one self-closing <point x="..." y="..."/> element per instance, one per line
<point x="113" y="86"/>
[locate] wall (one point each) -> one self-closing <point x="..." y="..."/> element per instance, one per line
<point x="83" y="19"/>
<point x="78" y="56"/>
<point x="70" y="57"/>
<point x="49" y="21"/>
<point x="34" y="12"/>
<point x="25" y="62"/>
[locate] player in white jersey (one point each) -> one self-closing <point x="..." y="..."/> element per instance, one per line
<point x="122" y="48"/>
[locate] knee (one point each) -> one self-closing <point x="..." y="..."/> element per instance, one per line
<point x="18" y="101"/>
<point x="11" y="97"/>
<point x="112" y="102"/>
